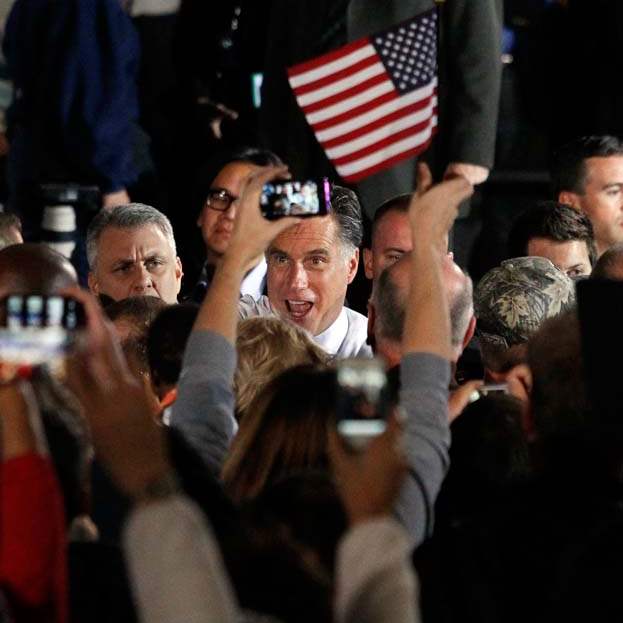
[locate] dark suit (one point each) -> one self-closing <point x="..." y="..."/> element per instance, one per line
<point x="469" y="92"/>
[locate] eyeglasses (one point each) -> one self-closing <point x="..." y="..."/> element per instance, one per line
<point x="219" y="199"/>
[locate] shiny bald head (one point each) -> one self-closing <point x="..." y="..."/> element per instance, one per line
<point x="34" y="268"/>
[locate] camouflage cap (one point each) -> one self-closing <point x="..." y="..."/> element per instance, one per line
<point x="514" y="299"/>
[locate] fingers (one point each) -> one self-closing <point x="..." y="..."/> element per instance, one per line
<point x="461" y="397"/>
<point x="423" y="178"/>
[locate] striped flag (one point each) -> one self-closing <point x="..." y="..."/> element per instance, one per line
<point x="373" y="102"/>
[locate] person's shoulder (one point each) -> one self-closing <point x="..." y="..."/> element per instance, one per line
<point x="248" y="307"/>
<point x="356" y="319"/>
<point x="357" y="335"/>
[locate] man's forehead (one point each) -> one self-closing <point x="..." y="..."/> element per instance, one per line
<point x="313" y="232"/>
<point x="602" y="167"/>
<point x="392" y="229"/>
<point x="117" y="242"/>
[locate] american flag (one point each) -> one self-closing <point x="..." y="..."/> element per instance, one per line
<point x="373" y="102"/>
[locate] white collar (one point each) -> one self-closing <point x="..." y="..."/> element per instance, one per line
<point x="254" y="281"/>
<point x="331" y="338"/>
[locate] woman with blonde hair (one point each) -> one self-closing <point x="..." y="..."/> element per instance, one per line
<point x="266" y="347"/>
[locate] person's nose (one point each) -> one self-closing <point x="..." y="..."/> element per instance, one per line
<point x="143" y="281"/>
<point x="230" y="213"/>
<point x="298" y="277"/>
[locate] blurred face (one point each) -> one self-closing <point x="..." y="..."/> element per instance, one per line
<point x="571" y="257"/>
<point x="136" y="262"/>
<point x="308" y="273"/>
<point x="602" y="200"/>
<point x="391" y="240"/>
<point x="217" y="226"/>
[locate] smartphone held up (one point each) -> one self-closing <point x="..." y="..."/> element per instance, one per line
<point x="37" y="329"/>
<point x="294" y="198"/>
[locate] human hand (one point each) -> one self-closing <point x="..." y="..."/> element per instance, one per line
<point x="461" y="397"/>
<point x="114" y="199"/>
<point x="432" y="213"/>
<point x="116" y="405"/>
<point x="369" y="482"/>
<point x="252" y="232"/>
<point x="423" y="178"/>
<point x="473" y="173"/>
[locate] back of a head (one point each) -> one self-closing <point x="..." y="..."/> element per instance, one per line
<point x="512" y="301"/>
<point x="283" y="431"/>
<point x="267" y="346"/>
<point x="554" y="221"/>
<point x="34" y="268"/>
<point x="610" y="264"/>
<point x="568" y="171"/>
<point x="10" y="230"/>
<point x="166" y="342"/>
<point x="489" y="455"/>
<point x="132" y="318"/>
<point x="561" y="409"/>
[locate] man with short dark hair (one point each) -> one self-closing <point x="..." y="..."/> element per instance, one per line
<point x="131" y="252"/>
<point x="587" y="174"/>
<point x="390" y="236"/>
<point x="309" y="269"/>
<point x="557" y="232"/>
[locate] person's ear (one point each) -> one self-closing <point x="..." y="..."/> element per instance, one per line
<point x="569" y="198"/>
<point x="469" y="334"/>
<point x="367" y="263"/>
<point x="179" y="273"/>
<point x="353" y="264"/>
<point x="93" y="284"/>
<point x="520" y="382"/>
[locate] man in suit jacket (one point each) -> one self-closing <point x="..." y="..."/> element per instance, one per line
<point x="470" y="74"/>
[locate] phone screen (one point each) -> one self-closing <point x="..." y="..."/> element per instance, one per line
<point x="292" y="198"/>
<point x="362" y="400"/>
<point x="37" y="329"/>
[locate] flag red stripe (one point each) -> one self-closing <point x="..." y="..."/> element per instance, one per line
<point x="338" y="75"/>
<point x="353" y="112"/>
<point x="356" y="177"/>
<point x="314" y="63"/>
<point x="394" y="116"/>
<point x="338" y="97"/>
<point x="379" y="145"/>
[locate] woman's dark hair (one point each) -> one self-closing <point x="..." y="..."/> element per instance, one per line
<point x="284" y="430"/>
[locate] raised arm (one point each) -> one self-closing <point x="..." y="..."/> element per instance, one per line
<point x="427" y="351"/>
<point x="204" y="409"/>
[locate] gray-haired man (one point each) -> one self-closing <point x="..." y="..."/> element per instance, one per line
<point x="131" y="252"/>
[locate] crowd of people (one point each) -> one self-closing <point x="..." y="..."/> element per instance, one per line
<point x="176" y="451"/>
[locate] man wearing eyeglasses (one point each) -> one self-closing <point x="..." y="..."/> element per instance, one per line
<point x="216" y="219"/>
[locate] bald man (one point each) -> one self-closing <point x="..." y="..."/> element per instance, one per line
<point x="387" y="307"/>
<point x="34" y="268"/>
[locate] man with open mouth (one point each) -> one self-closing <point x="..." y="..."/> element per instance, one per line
<point x="309" y="269"/>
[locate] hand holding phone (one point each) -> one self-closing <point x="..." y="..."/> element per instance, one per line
<point x="362" y="401"/>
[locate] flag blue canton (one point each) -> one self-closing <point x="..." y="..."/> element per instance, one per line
<point x="409" y="52"/>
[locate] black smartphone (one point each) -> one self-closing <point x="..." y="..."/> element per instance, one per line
<point x="362" y="404"/>
<point x="294" y="198"/>
<point x="37" y="329"/>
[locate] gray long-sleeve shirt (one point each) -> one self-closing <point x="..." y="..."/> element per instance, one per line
<point x="204" y="412"/>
